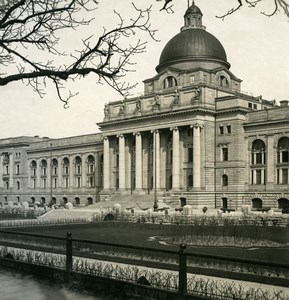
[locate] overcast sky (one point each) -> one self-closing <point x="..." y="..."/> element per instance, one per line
<point x="257" y="48"/>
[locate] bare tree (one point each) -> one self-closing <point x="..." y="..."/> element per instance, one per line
<point x="277" y="5"/>
<point x="30" y="44"/>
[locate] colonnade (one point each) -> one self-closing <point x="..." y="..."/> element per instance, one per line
<point x="138" y="141"/>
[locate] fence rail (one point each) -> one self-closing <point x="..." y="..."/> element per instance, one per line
<point x="183" y="260"/>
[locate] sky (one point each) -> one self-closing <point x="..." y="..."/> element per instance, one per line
<point x="257" y="48"/>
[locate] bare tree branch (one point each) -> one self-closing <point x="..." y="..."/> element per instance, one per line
<point x="31" y="26"/>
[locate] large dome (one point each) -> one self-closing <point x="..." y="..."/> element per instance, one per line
<point x="193" y="43"/>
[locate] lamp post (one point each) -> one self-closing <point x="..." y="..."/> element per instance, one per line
<point x="51" y="170"/>
<point x="155" y="207"/>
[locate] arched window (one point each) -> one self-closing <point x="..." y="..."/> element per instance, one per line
<point x="283" y="150"/>
<point x="256" y="203"/>
<point x="258" y="154"/>
<point x="78" y="163"/>
<point x="54" y="166"/>
<point x="224" y="180"/>
<point x="223" y="82"/>
<point x="170" y="82"/>
<point x="43" y="165"/>
<point x="90" y="164"/>
<point x="33" y="167"/>
<point x="283" y="203"/>
<point x="258" y="161"/>
<point x="65" y="166"/>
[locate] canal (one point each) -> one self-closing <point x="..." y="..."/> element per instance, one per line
<point x="16" y="286"/>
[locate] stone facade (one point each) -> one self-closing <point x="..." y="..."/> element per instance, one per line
<point x="192" y="135"/>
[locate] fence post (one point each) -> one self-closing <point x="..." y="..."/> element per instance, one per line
<point x="182" y="272"/>
<point x="68" y="258"/>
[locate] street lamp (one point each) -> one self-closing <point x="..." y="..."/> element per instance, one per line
<point x="155" y="174"/>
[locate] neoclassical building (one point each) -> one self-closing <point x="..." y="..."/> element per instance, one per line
<point x="193" y="135"/>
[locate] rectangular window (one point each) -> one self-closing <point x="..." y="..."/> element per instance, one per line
<point x="229" y="129"/>
<point x="44" y="183"/>
<point x="284" y="176"/>
<point x="17" y="169"/>
<point x="91" y="181"/>
<point x="255" y="106"/>
<point x="34" y="183"/>
<point x="259" y="158"/>
<point x="78" y="182"/>
<point x="55" y="183"/>
<point x="44" y="171"/>
<point x="7" y="170"/>
<point x="190" y="154"/>
<point x="34" y="172"/>
<point x="258" y="177"/>
<point x="91" y="168"/>
<point x="285" y="157"/>
<point x="66" y="183"/>
<point x="221" y="130"/>
<point x="250" y="105"/>
<point x="66" y="170"/>
<point x="225" y="154"/>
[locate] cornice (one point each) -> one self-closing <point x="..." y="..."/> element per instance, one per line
<point x="158" y="116"/>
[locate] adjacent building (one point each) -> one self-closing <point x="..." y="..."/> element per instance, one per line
<point x="193" y="135"/>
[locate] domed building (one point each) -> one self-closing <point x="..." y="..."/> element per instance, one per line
<point x="192" y="138"/>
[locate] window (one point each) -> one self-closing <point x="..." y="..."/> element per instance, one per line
<point x="44" y="167"/>
<point x="91" y="181"/>
<point x="224" y="180"/>
<point x="7" y="185"/>
<point x="55" y="183"/>
<point x="169" y="82"/>
<point x="44" y="183"/>
<point x="17" y="169"/>
<point x="190" y="154"/>
<point x="54" y="166"/>
<point x="190" y="181"/>
<point x="284" y="176"/>
<point x="225" y="154"/>
<point x="258" y="176"/>
<point x="78" y="182"/>
<point x="66" y="183"/>
<point x="250" y="105"/>
<point x="18" y="185"/>
<point x="283" y="150"/>
<point x="90" y="163"/>
<point x="78" y="165"/>
<point x="192" y="78"/>
<point x="7" y="170"/>
<point x="221" y="130"/>
<point x="34" y="183"/>
<point x="223" y="82"/>
<point x="66" y="166"/>
<point x="255" y="106"/>
<point x="229" y="129"/>
<point x="258" y="152"/>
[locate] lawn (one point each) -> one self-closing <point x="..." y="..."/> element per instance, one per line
<point x="139" y="234"/>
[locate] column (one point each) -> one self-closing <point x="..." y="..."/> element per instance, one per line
<point x="176" y="159"/>
<point x="196" y="155"/>
<point x="106" y="162"/>
<point x="11" y="170"/>
<point x="71" y="171"/>
<point x="156" y="159"/>
<point x="1" y="170"/>
<point x="49" y="173"/>
<point x="138" y="161"/>
<point x="38" y="173"/>
<point x="84" y="171"/>
<point x="270" y="161"/>
<point x="121" y="167"/>
<point x="59" y="172"/>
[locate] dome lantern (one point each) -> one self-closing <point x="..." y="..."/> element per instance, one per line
<point x="193" y="18"/>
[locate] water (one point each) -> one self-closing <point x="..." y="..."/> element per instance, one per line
<point x="14" y="286"/>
